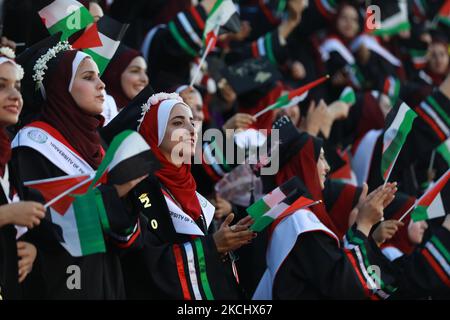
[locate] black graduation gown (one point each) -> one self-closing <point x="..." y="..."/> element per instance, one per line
<point x="101" y="273"/>
<point x="163" y="269"/>
<point x="9" y="273"/>
<point x="317" y="268"/>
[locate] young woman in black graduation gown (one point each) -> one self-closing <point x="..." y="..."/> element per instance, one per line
<point x="182" y="258"/>
<point x="69" y="119"/>
<point x="25" y="214"/>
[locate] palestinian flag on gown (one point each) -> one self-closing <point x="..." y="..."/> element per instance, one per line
<point x="444" y="151"/>
<point x="223" y="16"/>
<point x="443" y="15"/>
<point x="66" y="16"/>
<point x="77" y="224"/>
<point x="348" y="96"/>
<point x="395" y="136"/>
<point x="80" y="215"/>
<point x="394" y="17"/>
<point x="111" y="33"/>
<point x="430" y="204"/>
<point x="268" y="208"/>
<point x="293" y="97"/>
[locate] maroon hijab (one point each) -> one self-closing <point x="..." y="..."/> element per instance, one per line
<point x="61" y="112"/>
<point x="304" y="166"/>
<point x="5" y="151"/>
<point x="113" y="74"/>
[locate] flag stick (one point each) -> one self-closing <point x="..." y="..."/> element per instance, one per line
<point x="390" y="171"/>
<point x="433" y="156"/>
<point x="407" y="212"/>
<point x="202" y="60"/>
<point x="59" y="197"/>
<point x="260" y="113"/>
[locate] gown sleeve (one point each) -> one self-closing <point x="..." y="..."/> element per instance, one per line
<point x="318" y="268"/>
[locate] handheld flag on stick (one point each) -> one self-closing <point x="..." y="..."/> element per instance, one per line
<point x="73" y="212"/>
<point x="77" y="207"/>
<point x="57" y="191"/>
<point x="66" y="16"/>
<point x="222" y="15"/>
<point x="394" y="138"/>
<point x="285" y="199"/>
<point x="296" y="96"/>
<point x="429" y="205"/>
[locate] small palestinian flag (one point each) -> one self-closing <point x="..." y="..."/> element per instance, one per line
<point x="394" y="137"/>
<point x="430" y="204"/>
<point x="222" y="16"/>
<point x="77" y="223"/>
<point x="54" y="187"/>
<point x="66" y="16"/>
<point x="293" y="97"/>
<point x="266" y="209"/>
<point x="348" y="96"/>
<point x="80" y="212"/>
<point x="443" y="15"/>
<point x="111" y="33"/>
<point x="394" y="17"/>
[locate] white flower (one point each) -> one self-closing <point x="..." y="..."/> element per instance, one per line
<point x="20" y="72"/>
<point x="7" y="52"/>
<point x="41" y="64"/>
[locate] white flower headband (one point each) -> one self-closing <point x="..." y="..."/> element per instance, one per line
<point x="154" y="100"/>
<point x="41" y="64"/>
<point x="19" y="69"/>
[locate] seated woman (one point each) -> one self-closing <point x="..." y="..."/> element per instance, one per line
<point x="15" y="215"/>
<point x="64" y="141"/>
<point x="305" y="257"/>
<point x="182" y="257"/>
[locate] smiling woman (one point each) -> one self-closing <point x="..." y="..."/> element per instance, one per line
<point x="125" y="76"/>
<point x="181" y="257"/>
<point x="23" y="213"/>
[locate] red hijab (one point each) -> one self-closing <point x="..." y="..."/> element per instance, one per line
<point x="113" y="74"/>
<point x="179" y="181"/>
<point x="62" y="112"/>
<point x="304" y="166"/>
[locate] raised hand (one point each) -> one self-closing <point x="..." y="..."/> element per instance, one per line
<point x="231" y="238"/>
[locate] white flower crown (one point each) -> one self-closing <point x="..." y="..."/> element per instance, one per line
<point x="8" y="52"/>
<point x="41" y="64"/>
<point x="154" y="100"/>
